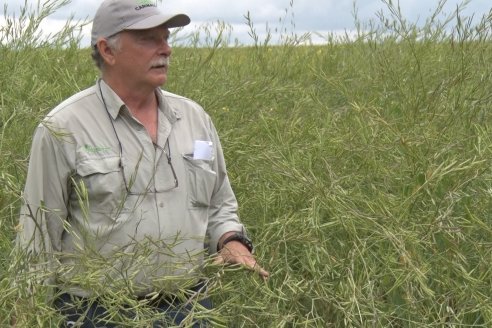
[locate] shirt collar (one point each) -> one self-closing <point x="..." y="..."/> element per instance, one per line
<point x="109" y="98"/>
<point x="114" y="104"/>
<point x="165" y="107"/>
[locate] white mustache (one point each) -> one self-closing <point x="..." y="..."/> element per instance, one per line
<point x="162" y="61"/>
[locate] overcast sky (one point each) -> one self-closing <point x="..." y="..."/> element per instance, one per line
<point x="322" y="16"/>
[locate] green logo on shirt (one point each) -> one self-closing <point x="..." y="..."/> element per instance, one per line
<point x="95" y="149"/>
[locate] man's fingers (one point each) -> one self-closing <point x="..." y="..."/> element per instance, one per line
<point x="258" y="269"/>
<point x="246" y="261"/>
<point x="219" y="260"/>
<point x="237" y="253"/>
<point x="263" y="273"/>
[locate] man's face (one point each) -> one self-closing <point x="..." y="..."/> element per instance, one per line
<point x="143" y="57"/>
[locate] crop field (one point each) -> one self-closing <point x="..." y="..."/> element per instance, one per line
<point x="362" y="167"/>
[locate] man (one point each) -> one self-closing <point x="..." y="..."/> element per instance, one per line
<point x="127" y="183"/>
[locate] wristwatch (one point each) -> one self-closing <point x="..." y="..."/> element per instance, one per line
<point x="240" y="238"/>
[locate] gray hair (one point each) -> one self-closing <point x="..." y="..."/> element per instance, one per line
<point x="113" y="43"/>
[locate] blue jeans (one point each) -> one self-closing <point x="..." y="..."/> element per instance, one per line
<point x="85" y="313"/>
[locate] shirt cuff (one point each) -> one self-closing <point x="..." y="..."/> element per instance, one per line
<point x="220" y="231"/>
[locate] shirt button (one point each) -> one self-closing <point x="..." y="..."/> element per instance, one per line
<point x="161" y="204"/>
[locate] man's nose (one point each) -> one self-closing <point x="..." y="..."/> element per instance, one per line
<point x="165" y="48"/>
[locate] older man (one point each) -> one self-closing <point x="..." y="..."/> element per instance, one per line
<point x="127" y="186"/>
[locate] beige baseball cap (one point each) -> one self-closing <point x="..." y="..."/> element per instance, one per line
<point x="114" y="16"/>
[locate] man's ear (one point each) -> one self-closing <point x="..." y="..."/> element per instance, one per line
<point x="106" y="52"/>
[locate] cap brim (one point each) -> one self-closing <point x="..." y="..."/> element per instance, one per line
<point x="170" y="21"/>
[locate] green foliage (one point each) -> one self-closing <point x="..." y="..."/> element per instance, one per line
<point x="362" y="168"/>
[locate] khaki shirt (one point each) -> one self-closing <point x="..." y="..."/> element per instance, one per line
<point x="101" y="200"/>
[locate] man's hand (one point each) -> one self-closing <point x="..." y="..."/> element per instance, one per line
<point x="234" y="252"/>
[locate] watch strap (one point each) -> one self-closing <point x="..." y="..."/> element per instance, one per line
<point x="241" y="238"/>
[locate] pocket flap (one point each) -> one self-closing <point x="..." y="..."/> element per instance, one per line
<point x="199" y="163"/>
<point x="98" y="165"/>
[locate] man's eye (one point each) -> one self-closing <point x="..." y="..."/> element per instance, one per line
<point x="153" y="39"/>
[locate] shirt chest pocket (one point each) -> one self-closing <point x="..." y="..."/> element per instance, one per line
<point x="100" y="182"/>
<point x="201" y="181"/>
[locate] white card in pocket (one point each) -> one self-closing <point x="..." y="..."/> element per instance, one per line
<point x="203" y="150"/>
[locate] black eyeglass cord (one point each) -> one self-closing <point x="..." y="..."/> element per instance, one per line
<point x="120" y="145"/>
<point x="112" y="124"/>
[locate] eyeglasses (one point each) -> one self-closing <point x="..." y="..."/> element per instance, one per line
<point x="149" y="188"/>
<point x="128" y="186"/>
